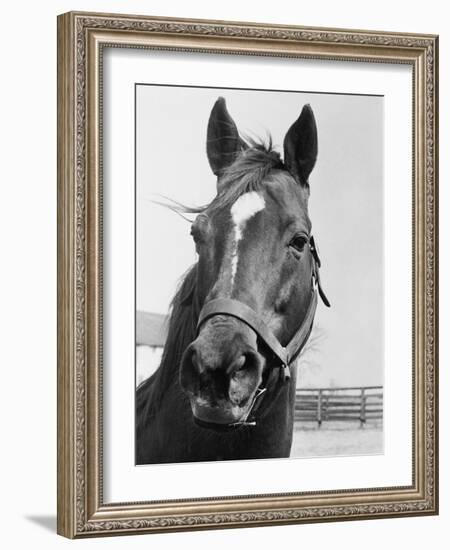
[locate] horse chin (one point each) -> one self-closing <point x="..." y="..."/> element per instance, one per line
<point x="219" y="418"/>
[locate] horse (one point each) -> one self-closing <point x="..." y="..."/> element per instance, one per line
<point x="226" y="385"/>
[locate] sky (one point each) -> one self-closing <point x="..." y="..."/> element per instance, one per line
<point x="346" y="210"/>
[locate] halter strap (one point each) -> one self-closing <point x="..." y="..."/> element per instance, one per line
<point x="235" y="308"/>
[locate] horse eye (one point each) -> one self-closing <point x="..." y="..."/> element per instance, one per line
<point x="298" y="243"/>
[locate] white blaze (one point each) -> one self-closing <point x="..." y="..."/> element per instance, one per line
<point x="242" y="210"/>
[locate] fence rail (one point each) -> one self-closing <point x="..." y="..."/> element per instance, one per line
<point x="363" y="404"/>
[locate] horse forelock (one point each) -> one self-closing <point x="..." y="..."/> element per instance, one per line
<point x="246" y="174"/>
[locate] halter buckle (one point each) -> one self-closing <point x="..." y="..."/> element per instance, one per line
<point x="286" y="371"/>
<point x="315" y="282"/>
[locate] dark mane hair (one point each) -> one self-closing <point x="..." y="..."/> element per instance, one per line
<point x="181" y="331"/>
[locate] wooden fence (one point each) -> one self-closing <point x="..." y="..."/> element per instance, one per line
<point x="362" y="404"/>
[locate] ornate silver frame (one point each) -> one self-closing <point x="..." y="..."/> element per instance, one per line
<point x="81" y="37"/>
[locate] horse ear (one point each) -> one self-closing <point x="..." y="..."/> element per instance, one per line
<point x="223" y="141"/>
<point x="300" y="146"/>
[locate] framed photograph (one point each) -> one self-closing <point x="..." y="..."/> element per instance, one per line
<point x="247" y="274"/>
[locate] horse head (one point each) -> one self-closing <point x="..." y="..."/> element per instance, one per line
<point x="257" y="269"/>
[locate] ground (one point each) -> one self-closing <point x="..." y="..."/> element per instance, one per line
<point x="336" y="439"/>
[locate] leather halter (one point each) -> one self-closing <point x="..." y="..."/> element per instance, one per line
<point x="286" y="355"/>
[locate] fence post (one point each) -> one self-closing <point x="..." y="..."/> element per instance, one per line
<point x="319" y="408"/>
<point x="362" y="416"/>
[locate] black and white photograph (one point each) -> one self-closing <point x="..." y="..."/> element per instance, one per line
<point x="224" y="263"/>
<point x="247" y="274"/>
<point x="259" y="264"/>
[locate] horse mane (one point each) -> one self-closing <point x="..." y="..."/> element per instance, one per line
<point x="181" y="331"/>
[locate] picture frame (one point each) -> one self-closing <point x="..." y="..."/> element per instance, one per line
<point x="82" y="40"/>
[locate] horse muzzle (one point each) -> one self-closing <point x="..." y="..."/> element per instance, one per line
<point x="221" y="372"/>
<point x="218" y="418"/>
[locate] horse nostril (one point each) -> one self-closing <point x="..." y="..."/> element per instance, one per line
<point x="237" y="365"/>
<point x="245" y="364"/>
<point x="245" y="376"/>
<point x="189" y="369"/>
